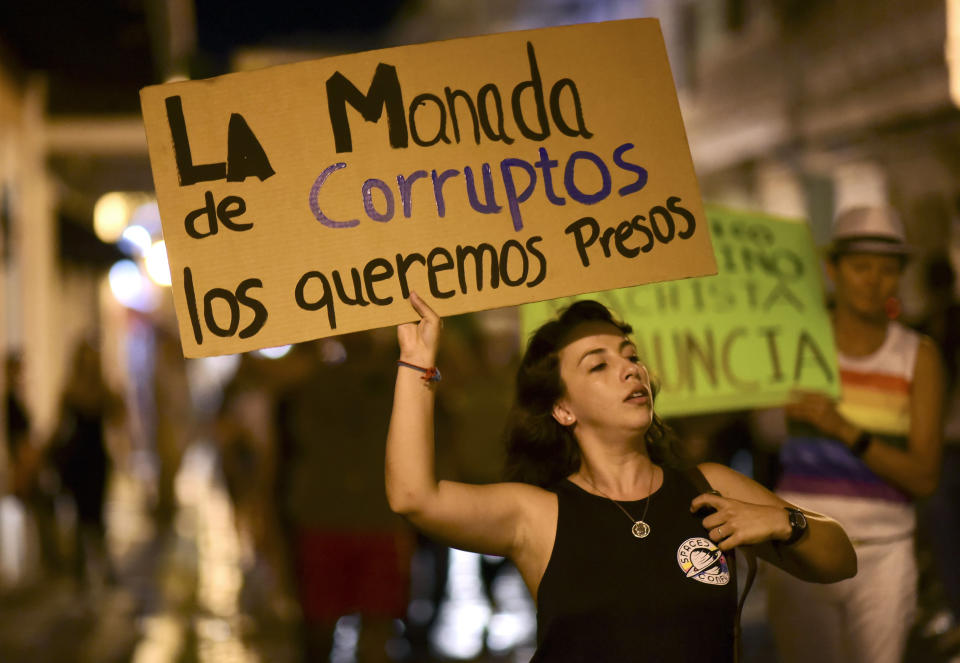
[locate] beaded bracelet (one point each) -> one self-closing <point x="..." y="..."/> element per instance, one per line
<point x="431" y="374"/>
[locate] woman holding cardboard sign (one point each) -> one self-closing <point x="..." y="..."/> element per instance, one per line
<point x="613" y="541"/>
<point x="863" y="460"/>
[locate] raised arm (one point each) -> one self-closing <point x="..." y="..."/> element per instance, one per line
<point x="916" y="469"/>
<point x="410" y="478"/>
<point x="749" y="514"/>
<point x="483" y="518"/>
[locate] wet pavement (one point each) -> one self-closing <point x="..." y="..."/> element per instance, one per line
<point x="174" y="597"/>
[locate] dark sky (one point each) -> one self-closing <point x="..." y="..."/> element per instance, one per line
<point x="98" y="54"/>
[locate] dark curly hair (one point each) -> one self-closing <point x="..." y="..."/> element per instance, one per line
<point x="539" y="450"/>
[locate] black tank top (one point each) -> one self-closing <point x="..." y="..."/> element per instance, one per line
<point x="608" y="596"/>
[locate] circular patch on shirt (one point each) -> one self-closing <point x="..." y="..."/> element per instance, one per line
<point x="701" y="560"/>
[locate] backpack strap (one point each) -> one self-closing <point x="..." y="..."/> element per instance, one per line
<point x="695" y="476"/>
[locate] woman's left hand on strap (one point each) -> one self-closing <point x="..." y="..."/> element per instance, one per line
<point x="734" y="523"/>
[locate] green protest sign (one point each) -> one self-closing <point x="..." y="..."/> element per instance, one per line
<point x="741" y="339"/>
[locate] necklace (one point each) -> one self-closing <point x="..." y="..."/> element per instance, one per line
<point x="640" y="528"/>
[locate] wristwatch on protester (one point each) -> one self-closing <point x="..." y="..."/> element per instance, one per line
<point x="798" y="525"/>
<point x="861" y="444"/>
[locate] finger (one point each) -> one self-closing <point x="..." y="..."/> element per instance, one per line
<point x="806" y="398"/>
<point x="422" y="308"/>
<point x="805" y="403"/>
<point x="816" y="400"/>
<point x="799" y="411"/>
<point x="797" y="395"/>
<point x="730" y="542"/>
<point x="718" y="534"/>
<point x="713" y="520"/>
<point x="708" y="499"/>
<point x="817" y="407"/>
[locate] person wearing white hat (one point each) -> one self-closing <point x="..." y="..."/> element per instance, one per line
<point x="864" y="459"/>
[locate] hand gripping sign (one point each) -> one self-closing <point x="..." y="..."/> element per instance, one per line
<point x="307" y="200"/>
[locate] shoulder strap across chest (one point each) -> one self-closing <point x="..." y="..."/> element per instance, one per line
<point x="695" y="476"/>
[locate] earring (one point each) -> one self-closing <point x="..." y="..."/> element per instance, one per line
<point x="892" y="308"/>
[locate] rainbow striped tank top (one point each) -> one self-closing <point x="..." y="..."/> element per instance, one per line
<point x="876" y="398"/>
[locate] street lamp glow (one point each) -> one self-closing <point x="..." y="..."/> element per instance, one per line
<point x="129" y="287"/>
<point x="147" y="215"/>
<point x="274" y="353"/>
<point x="155" y="260"/>
<point x="135" y="240"/>
<point x="110" y="216"/>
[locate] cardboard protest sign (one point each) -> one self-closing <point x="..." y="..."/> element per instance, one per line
<point x="741" y="339"/>
<point x="309" y="199"/>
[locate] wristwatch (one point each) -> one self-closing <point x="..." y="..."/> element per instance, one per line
<point x="798" y="525"/>
<point x="861" y="444"/>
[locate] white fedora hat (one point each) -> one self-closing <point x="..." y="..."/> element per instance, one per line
<point x="869" y="230"/>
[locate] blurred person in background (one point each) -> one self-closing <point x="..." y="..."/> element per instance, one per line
<point x="18" y="429"/>
<point x="350" y="555"/>
<point x="31" y="476"/>
<point x="941" y="321"/>
<point x="173" y="420"/>
<point x="479" y="364"/>
<point x="79" y="451"/>
<point x="588" y="450"/>
<point x="245" y="433"/>
<point x="865" y="459"/>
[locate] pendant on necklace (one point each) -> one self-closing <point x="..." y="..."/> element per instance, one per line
<point x="640" y="529"/>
